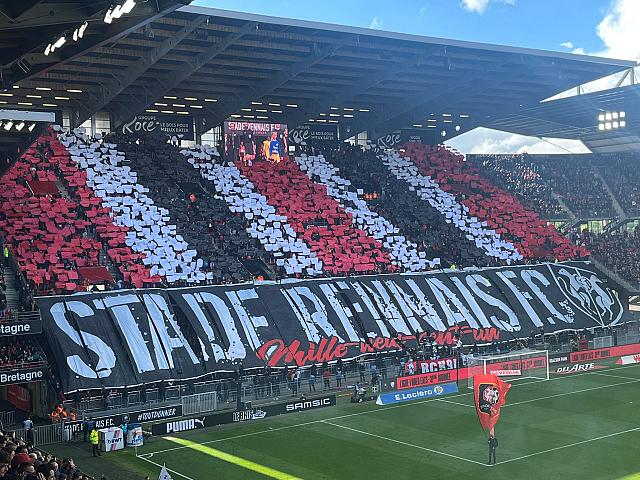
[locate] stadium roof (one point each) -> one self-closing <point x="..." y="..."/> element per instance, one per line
<point x="215" y="64"/>
<point x="577" y="118"/>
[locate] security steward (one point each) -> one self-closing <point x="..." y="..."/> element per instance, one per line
<point x="93" y="440"/>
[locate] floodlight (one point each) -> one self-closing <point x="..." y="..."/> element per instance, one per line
<point x="601" y="126"/>
<point x="31" y="127"/>
<point x="457" y="128"/>
<point x="117" y="11"/>
<point x="601" y="117"/>
<point x="128" y="5"/>
<point x="8" y="125"/>
<point x="61" y="41"/>
<point x="607" y="126"/>
<point x="615" y="124"/>
<point x="19" y="126"/>
<point x="623" y="114"/>
<point x="47" y="50"/>
<point x="623" y="123"/>
<point x="108" y="17"/>
<point x="607" y="116"/>
<point x="443" y="133"/>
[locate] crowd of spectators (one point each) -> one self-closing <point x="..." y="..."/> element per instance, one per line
<point x="622" y="174"/>
<point x="573" y="178"/>
<point x="390" y="198"/>
<point x="15" y="352"/>
<point x="20" y="461"/>
<point x="618" y="250"/>
<point x="521" y="176"/>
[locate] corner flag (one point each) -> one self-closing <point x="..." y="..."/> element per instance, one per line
<point x="164" y="475"/>
<point x="490" y="394"/>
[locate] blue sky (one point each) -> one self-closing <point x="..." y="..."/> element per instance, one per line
<point x="503" y="21"/>
<point x="596" y="27"/>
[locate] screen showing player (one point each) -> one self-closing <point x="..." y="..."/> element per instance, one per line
<point x="248" y="142"/>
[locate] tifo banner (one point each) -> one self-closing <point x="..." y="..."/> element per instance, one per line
<point x="27" y="327"/>
<point x="310" y="134"/>
<point x="421" y="393"/>
<point x="490" y="393"/>
<point x="168" y="124"/>
<point x="247" y="415"/>
<point x="125" y="338"/>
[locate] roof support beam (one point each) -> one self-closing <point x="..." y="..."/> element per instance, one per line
<point x="358" y="88"/>
<point x="279" y="79"/>
<point x="166" y="82"/>
<point x="111" y="88"/>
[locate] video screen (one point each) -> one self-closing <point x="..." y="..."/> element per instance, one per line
<point x="249" y="142"/>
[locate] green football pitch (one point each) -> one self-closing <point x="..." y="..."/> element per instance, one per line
<point x="582" y="426"/>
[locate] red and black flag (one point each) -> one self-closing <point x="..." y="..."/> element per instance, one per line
<point x="490" y="393"/>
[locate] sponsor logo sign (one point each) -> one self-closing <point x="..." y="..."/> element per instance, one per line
<point x="20" y="328"/>
<point x="168" y="124"/>
<point x="563" y="358"/>
<point x="416" y="394"/>
<point x="578" y="367"/>
<point x="506" y="373"/>
<point x="305" y="134"/>
<point x="247" y="415"/>
<point x="628" y="359"/>
<point x="22" y="376"/>
<point x="604" y="353"/>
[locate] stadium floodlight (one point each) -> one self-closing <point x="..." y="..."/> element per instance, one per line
<point x="31" y="127"/>
<point x="612" y="120"/>
<point x="108" y="17"/>
<point x="47" y="50"/>
<point x="457" y="128"/>
<point x="8" y="125"/>
<point x="19" y="126"/>
<point x="61" y="41"/>
<point x="117" y="12"/>
<point x="78" y="33"/>
<point x="443" y="133"/>
<point x="128" y="5"/>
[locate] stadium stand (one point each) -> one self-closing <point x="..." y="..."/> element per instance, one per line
<point x="573" y="179"/>
<point x="391" y="198"/>
<point x="622" y="174"/>
<point x="57" y="234"/>
<point x="498" y="208"/>
<point x="522" y="177"/>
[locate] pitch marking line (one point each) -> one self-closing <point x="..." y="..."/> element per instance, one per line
<point x="234" y="460"/>
<point x="569" y="445"/>
<point x="456" y="403"/>
<point x="390" y="407"/>
<point x="168" y="469"/>
<point x="614" y="376"/>
<point x="362" y="432"/>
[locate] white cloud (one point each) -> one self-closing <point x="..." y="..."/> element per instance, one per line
<point x="619" y="31"/>
<point x="568" y="45"/>
<point x="423" y="9"/>
<point x="376" y="22"/>
<point x="480" y="6"/>
<point x="485" y="140"/>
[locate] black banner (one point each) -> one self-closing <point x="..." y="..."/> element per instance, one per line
<point x="24" y="374"/>
<point x="27" y="327"/>
<point x="310" y="134"/>
<point x="118" y="419"/>
<point x="126" y="338"/>
<point x="247" y="415"/>
<point x="168" y="124"/>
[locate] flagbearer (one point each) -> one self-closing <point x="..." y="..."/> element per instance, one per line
<point x="493" y="445"/>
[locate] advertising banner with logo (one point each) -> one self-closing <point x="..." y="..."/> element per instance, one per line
<point x="23" y="375"/>
<point x="628" y="359"/>
<point x="30" y="327"/>
<point x="109" y="421"/>
<point x="169" y="125"/>
<point x="507" y="368"/>
<point x="430" y="366"/>
<point x="313" y="134"/>
<point x="578" y="367"/>
<point x="310" y="321"/>
<point x="403" y="136"/>
<point x="247" y="415"/>
<point x="604" y="353"/>
<point x="421" y="393"/>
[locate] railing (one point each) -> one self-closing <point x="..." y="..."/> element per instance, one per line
<point x="7" y="418"/>
<point x="199" y="403"/>
<point x="42" y="434"/>
<point x="21" y="317"/>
